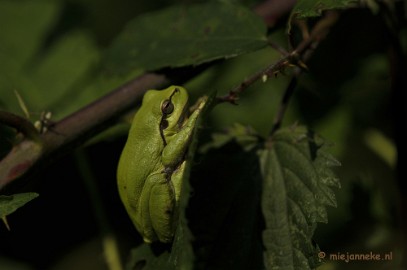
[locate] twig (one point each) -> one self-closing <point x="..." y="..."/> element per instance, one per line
<point x="233" y="95"/>
<point x="296" y="58"/>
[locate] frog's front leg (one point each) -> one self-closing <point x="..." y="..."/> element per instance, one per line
<point x="173" y="152"/>
<point x="157" y="208"/>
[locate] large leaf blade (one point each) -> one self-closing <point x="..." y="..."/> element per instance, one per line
<point x="186" y="35"/>
<point x="296" y="189"/>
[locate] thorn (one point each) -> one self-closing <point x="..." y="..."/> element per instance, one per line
<point x="302" y="65"/>
<point x="5" y="222"/>
<point x="22" y="105"/>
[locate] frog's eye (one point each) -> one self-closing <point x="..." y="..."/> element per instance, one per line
<point x="167" y="107"/>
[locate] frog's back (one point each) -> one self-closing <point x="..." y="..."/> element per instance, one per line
<point x="139" y="159"/>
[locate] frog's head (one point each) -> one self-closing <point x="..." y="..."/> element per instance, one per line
<point x="169" y="107"/>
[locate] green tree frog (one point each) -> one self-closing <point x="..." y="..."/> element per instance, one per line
<point x="153" y="162"/>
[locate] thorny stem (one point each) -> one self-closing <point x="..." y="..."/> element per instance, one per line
<point x="233" y="95"/>
<point x="296" y="58"/>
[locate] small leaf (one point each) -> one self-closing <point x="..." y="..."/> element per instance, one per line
<point x="314" y="8"/>
<point x="186" y="35"/>
<point x="297" y="183"/>
<point x="9" y="204"/>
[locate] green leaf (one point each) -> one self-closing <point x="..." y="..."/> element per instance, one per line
<point x="186" y="35"/>
<point x="297" y="182"/>
<point x="22" y="31"/>
<point x="314" y="8"/>
<point x="9" y="204"/>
